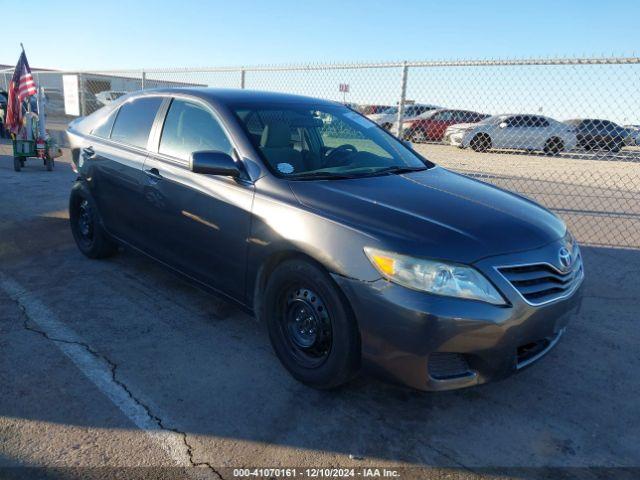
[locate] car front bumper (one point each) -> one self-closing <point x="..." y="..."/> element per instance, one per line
<point x="455" y="139"/>
<point x="431" y="342"/>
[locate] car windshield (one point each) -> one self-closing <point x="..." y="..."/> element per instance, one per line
<point x="493" y="119"/>
<point x="327" y="142"/>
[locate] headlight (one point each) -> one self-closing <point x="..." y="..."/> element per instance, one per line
<point x="439" y="278"/>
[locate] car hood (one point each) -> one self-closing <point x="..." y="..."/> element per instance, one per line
<point x="434" y="213"/>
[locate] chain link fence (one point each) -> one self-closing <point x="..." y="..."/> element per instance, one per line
<point x="564" y="132"/>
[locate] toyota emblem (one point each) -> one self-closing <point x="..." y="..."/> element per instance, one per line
<point x="564" y="255"/>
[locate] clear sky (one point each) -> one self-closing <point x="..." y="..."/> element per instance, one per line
<point x="94" y="34"/>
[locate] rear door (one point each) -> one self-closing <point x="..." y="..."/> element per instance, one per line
<point x="116" y="155"/>
<point x="542" y="130"/>
<point x="508" y="134"/>
<point x="199" y="223"/>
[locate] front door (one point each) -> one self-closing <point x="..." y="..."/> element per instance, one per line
<point x="199" y="223"/>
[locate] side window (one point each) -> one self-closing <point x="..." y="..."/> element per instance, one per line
<point x="190" y="127"/>
<point x="463" y="117"/>
<point x="539" y="122"/>
<point x="514" y="122"/>
<point x="134" y="121"/>
<point x="104" y="129"/>
<point x="528" y="121"/>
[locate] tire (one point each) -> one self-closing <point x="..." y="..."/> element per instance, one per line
<point x="17" y="164"/>
<point x="481" y="142"/>
<point x="87" y="229"/>
<point x="614" y="147"/>
<point x="387" y="126"/>
<point x="48" y="163"/>
<point x="311" y="326"/>
<point x="553" y="146"/>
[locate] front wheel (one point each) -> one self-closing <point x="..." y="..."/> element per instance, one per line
<point x="86" y="228"/>
<point x="481" y="142"/>
<point x="553" y="146"/>
<point x="17" y="164"/>
<point x="48" y="163"/>
<point x="311" y="327"/>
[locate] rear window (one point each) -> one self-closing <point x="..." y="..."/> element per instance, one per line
<point x="134" y="121"/>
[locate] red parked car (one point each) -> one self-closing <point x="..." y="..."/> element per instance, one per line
<point x="430" y="126"/>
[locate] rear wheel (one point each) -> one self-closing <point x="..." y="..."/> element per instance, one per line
<point x="481" y="142"/>
<point x="310" y="325"/>
<point x="87" y="230"/>
<point x="553" y="146"/>
<point x="614" y="146"/>
<point x="17" y="164"/>
<point x="48" y="163"/>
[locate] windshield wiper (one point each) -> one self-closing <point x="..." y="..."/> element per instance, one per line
<point x="395" y="169"/>
<point x="320" y="176"/>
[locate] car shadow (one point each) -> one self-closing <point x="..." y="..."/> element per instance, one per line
<point x="216" y="378"/>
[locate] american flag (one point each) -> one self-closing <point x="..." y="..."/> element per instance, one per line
<point x="21" y="87"/>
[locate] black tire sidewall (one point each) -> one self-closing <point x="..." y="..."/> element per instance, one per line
<point x="481" y="142"/>
<point x="101" y="246"/>
<point x="343" y="360"/>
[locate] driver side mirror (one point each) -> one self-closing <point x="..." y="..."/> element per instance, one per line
<point x="503" y="125"/>
<point x="211" y="162"/>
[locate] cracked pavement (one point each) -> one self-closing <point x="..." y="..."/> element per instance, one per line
<point x="204" y="380"/>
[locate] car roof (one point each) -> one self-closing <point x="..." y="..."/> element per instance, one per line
<point x="237" y="96"/>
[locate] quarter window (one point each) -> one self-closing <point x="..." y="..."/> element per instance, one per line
<point x="104" y="129"/>
<point x="190" y="127"/>
<point x="134" y="121"/>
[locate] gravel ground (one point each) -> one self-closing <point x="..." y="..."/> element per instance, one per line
<point x="113" y="364"/>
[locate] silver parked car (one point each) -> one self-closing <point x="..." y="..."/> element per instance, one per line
<point x="515" y="131"/>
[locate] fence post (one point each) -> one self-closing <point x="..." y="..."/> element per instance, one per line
<point x="81" y="85"/>
<point x="403" y="97"/>
<point x="143" y="79"/>
<point x="242" y="74"/>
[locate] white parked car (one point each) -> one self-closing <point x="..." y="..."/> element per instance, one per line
<point x="515" y="131"/>
<point x="388" y="119"/>
<point x="108" y="96"/>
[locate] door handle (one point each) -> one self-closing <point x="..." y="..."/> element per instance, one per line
<point x="153" y="173"/>
<point x="88" y="151"/>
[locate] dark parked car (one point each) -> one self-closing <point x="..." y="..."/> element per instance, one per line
<point x="595" y="134"/>
<point x="351" y="247"/>
<point x="430" y="126"/>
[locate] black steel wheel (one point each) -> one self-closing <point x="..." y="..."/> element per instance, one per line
<point x="87" y="230"/>
<point x="311" y="327"/>
<point x="306" y="326"/>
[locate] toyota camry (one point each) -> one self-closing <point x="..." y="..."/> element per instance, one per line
<point x="353" y="249"/>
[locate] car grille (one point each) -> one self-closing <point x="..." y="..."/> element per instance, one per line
<point x="543" y="283"/>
